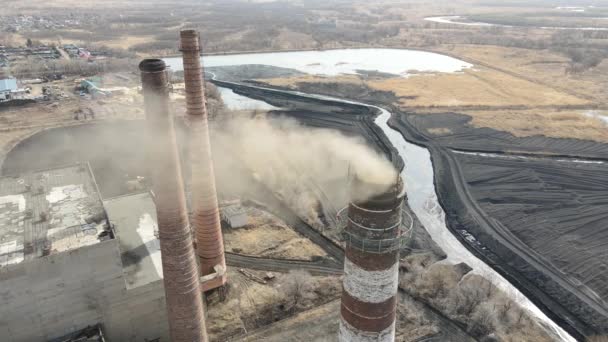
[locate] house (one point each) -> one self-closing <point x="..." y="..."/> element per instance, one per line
<point x="7" y="86"/>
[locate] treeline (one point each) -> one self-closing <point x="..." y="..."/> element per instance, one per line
<point x="585" y="48"/>
<point x="34" y="68"/>
<point x="236" y="26"/>
<point x="576" y="46"/>
<point x="488" y="313"/>
<point x="538" y="20"/>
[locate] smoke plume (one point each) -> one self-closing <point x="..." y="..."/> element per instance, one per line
<point x="299" y="163"/>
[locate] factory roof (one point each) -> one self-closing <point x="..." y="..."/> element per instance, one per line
<point x="49" y="211"/>
<point x="136" y="228"/>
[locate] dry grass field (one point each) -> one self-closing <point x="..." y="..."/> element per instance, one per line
<point x="476" y="87"/>
<point x="554" y="124"/>
<point x="125" y="42"/>
<point x="543" y="66"/>
<point x="535" y="81"/>
<point x="267" y="236"/>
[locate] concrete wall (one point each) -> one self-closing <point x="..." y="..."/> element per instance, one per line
<point x="139" y="315"/>
<point x="58" y="294"/>
<point x="52" y="296"/>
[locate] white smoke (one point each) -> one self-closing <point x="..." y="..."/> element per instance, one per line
<point x="291" y="159"/>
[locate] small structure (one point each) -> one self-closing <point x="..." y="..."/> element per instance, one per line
<point x="3" y="61"/>
<point x="76" y="52"/>
<point x="84" y="54"/>
<point x="90" y="86"/>
<point x="71" y="49"/>
<point x="235" y="216"/>
<point x="10" y="91"/>
<point x="8" y="84"/>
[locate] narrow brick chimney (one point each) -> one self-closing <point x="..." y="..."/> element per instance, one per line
<point x="205" y="210"/>
<point x="180" y="273"/>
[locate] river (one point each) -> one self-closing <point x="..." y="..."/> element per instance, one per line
<point x="462" y="20"/>
<point x="419" y="179"/>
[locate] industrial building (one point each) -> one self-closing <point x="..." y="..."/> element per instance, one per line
<point x="69" y="261"/>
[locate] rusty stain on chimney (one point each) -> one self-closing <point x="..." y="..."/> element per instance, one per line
<point x="205" y="216"/>
<point x="181" y="277"/>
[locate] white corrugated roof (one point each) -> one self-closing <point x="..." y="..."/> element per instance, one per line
<point x="8" y="84"/>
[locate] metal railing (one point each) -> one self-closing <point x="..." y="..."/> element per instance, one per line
<point x="378" y="246"/>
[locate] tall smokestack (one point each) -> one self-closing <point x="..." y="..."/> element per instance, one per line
<point x="181" y="278"/>
<point x="373" y="237"/>
<point x="205" y="216"/>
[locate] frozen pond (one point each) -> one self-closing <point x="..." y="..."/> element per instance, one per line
<point x="336" y="62"/>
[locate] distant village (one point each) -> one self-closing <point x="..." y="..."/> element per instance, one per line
<point x="14" y="89"/>
<point x="20" y="23"/>
<point x="18" y="87"/>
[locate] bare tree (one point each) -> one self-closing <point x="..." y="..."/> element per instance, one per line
<point x="434" y="284"/>
<point x="483" y="321"/>
<point x="465" y="298"/>
<point x="296" y="285"/>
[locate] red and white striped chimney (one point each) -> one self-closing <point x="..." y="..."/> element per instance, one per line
<point x="373" y="237"/>
<point x="180" y="273"/>
<point x="205" y="216"/>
